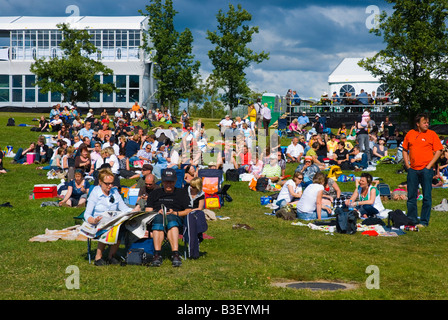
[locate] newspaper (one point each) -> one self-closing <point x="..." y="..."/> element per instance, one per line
<point x="110" y="223"/>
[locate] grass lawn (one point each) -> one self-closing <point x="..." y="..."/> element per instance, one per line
<point x="238" y="265"/>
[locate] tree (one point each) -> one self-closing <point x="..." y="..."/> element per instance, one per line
<point x="414" y="63"/>
<point x="232" y="56"/>
<point x="175" y="67"/>
<point x="73" y="74"/>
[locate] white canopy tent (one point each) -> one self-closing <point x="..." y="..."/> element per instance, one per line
<point x="348" y="76"/>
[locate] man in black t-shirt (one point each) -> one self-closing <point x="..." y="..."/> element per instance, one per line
<point x="177" y="203"/>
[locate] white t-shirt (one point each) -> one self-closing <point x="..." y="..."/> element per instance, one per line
<point x="294" y="150"/>
<point x="284" y="192"/>
<point x="225" y="123"/>
<point x="307" y="202"/>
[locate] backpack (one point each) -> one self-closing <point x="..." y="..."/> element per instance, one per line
<point x="346" y="220"/>
<point x="335" y="172"/>
<point x="140" y="252"/>
<point x="286" y="213"/>
<point x="11" y="122"/>
<point x="212" y="201"/>
<point x="262" y="184"/>
<point x="398" y="219"/>
<point x="232" y="175"/>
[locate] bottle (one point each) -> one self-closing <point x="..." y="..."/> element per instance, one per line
<point x="409" y="228"/>
<point x="350" y="206"/>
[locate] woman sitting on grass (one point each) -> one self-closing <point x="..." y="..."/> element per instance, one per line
<point x="366" y="197"/>
<point x="310" y="207"/>
<point x="291" y="190"/>
<point x="77" y="191"/>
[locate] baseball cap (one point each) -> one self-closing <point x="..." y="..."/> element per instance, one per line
<point x="169" y="175"/>
<point x="308" y="158"/>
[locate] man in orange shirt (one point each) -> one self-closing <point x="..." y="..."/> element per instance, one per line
<point x="421" y="149"/>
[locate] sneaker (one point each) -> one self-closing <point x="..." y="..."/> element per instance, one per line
<point x="156" y="261"/>
<point x="176" y="260"/>
<point x="100" y="262"/>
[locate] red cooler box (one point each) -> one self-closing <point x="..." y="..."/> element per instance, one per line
<point x="45" y="191"/>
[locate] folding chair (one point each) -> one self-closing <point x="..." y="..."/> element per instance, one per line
<point x="282" y="126"/>
<point x="216" y="173"/>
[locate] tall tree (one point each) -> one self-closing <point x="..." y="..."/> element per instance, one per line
<point x="73" y="74"/>
<point x="171" y="51"/>
<point x="232" y="56"/>
<point x="414" y="63"/>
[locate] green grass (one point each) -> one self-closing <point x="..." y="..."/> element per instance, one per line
<point x="238" y="264"/>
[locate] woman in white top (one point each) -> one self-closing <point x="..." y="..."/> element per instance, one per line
<point x="103" y="198"/>
<point x="310" y="207"/>
<point x="292" y="189"/>
<point x="366" y="197"/>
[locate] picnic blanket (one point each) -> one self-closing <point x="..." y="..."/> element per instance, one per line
<point x="370" y="230"/>
<point x="107" y="232"/>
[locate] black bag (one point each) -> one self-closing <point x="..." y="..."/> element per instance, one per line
<point x="262" y="184"/>
<point x="136" y="256"/>
<point x="398" y="219"/>
<point x="346" y="220"/>
<point x="286" y="213"/>
<point x="11" y="122"/>
<point x="232" y="175"/>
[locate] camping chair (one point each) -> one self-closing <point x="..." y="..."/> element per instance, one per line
<point x="218" y="188"/>
<point x="282" y="126"/>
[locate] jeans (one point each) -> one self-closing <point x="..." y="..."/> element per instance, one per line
<point x="312" y="215"/>
<point x="424" y="178"/>
<point x="367" y="210"/>
<point x="363" y="140"/>
<point x="20" y="157"/>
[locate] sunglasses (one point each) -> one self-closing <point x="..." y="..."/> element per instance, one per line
<point x="107" y="183"/>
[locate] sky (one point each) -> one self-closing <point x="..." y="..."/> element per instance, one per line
<point x="306" y="40"/>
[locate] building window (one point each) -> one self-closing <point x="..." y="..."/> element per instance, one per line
<point x="347" y="90"/>
<point x="134" y="86"/>
<point x="17" y="90"/>
<point x="30" y="89"/>
<point x="381" y="91"/>
<point x="56" y="97"/>
<point x="120" y="83"/>
<point x="119" y="53"/>
<point x="42" y="97"/>
<point x="108" y="97"/>
<point x="4" y="88"/>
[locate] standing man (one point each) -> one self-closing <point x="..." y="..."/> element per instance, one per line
<point x="421" y="149"/>
<point x="266" y="114"/>
<point x="259" y="118"/>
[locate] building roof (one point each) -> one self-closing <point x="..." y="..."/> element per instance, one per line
<point x="348" y="70"/>
<point x="76" y="22"/>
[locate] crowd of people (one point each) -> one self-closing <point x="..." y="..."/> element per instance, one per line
<point x="107" y="147"/>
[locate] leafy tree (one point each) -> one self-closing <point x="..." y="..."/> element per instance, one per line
<point x="414" y="63"/>
<point x="73" y="74"/>
<point x="175" y="67"/>
<point x="232" y="56"/>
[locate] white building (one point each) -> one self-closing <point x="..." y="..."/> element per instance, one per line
<point x="24" y="39"/>
<point x="349" y="77"/>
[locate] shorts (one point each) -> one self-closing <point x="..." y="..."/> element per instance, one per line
<point x="172" y="220"/>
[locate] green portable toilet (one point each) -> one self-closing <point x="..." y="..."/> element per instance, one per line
<point x="274" y="102"/>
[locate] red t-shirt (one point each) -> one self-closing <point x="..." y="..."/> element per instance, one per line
<point x="421" y="147"/>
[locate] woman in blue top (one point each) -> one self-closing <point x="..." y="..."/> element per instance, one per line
<point x="77" y="191"/>
<point x="104" y="197"/>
